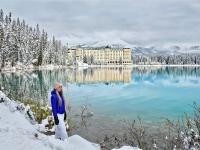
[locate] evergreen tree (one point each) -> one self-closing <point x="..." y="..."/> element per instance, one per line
<point x="10" y="17"/>
<point x="1" y="35"/>
<point x="20" y="43"/>
<point x="13" y="46"/>
<point x="1" y="16"/>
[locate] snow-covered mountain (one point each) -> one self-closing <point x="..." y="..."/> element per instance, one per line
<point x="170" y="50"/>
<point x="146" y="50"/>
<point x="114" y="43"/>
<point x="111" y="43"/>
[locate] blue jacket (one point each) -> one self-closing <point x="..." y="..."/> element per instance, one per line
<point x="56" y="109"/>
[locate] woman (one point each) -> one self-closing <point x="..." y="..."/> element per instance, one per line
<point x="59" y="113"/>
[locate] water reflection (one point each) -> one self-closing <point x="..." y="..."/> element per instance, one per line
<point x="31" y="85"/>
<point x="167" y="76"/>
<point x="37" y="84"/>
<point x="98" y="75"/>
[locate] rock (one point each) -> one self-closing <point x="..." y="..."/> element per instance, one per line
<point x="2" y="100"/>
<point x="35" y="62"/>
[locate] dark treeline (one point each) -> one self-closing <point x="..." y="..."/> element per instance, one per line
<point x="21" y="44"/>
<point x="179" y="59"/>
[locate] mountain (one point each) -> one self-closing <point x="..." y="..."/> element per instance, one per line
<point x="170" y="50"/>
<point x="111" y="43"/>
<point x="146" y="50"/>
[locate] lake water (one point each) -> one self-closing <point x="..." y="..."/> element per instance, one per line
<point x="153" y="93"/>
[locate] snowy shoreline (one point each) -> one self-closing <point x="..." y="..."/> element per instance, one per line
<point x="16" y="131"/>
<point x="52" y="67"/>
<point x="134" y="65"/>
<point x="31" y="68"/>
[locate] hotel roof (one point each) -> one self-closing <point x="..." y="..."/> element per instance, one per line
<point x="99" y="48"/>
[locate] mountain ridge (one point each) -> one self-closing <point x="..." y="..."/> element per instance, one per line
<point x="173" y="49"/>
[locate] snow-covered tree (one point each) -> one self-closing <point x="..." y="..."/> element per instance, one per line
<point x="179" y="59"/>
<point x="1" y="16"/>
<point x="21" y="43"/>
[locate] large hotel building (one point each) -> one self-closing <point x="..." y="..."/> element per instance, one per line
<point x="100" y="56"/>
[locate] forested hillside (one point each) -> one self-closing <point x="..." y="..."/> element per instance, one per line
<point x="24" y="45"/>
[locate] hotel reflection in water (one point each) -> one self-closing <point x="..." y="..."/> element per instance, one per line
<point x="99" y="75"/>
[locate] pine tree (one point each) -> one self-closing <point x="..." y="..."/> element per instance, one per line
<point x="1" y="16"/>
<point x="10" y="17"/>
<point x="53" y="51"/>
<point x="13" y="46"/>
<point x="43" y="42"/>
<point x="1" y="35"/>
<point x="1" y="44"/>
<point x="21" y="43"/>
<point x="6" y="20"/>
<point x="4" y="50"/>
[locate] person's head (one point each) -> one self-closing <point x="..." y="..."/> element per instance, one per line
<point x="58" y="88"/>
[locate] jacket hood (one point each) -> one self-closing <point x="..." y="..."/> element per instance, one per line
<point x="53" y="92"/>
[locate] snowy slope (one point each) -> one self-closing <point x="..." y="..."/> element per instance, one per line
<point x="112" y="43"/>
<point x="16" y="133"/>
<point x="170" y="50"/>
<point x="147" y="50"/>
<point x="128" y="148"/>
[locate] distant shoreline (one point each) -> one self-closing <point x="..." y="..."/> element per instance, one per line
<point x="133" y="65"/>
<point x="52" y="67"/>
<point x="169" y="65"/>
<point x="31" y="68"/>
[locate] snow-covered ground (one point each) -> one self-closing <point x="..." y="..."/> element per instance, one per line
<point x="31" y="68"/>
<point x="17" y="133"/>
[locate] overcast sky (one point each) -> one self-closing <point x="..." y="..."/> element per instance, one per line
<point x="139" y="22"/>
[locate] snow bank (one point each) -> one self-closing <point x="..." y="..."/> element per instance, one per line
<point x="51" y="67"/>
<point x="20" y="67"/>
<point x="128" y="148"/>
<point x="17" y="133"/>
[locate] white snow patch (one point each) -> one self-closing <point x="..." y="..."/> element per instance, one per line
<point x="128" y="148"/>
<point x="17" y="133"/>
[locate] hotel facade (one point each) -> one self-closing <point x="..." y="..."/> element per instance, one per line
<point x="100" y="56"/>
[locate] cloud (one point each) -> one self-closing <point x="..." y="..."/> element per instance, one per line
<point x="140" y="22"/>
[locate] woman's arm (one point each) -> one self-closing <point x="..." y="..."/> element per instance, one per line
<point x="54" y="105"/>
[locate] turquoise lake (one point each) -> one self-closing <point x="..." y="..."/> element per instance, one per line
<point x="153" y="93"/>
